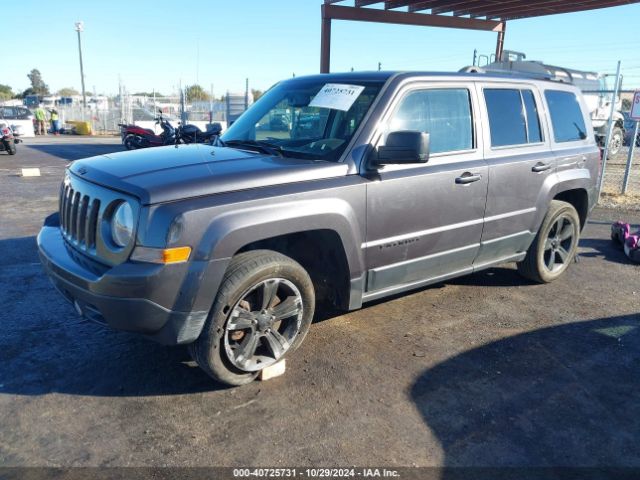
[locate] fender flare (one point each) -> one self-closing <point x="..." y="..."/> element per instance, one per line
<point x="231" y="231"/>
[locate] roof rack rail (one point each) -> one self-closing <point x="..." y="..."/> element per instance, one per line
<point x="509" y="73"/>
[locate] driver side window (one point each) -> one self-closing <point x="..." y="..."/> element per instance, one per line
<point x="444" y="113"/>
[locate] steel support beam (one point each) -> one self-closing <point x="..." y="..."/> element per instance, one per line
<point x="338" y="12"/>
<point x="500" y="42"/>
<point x="552" y="7"/>
<point x="325" y="42"/>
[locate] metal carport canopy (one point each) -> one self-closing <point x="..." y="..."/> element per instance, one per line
<point x="490" y="15"/>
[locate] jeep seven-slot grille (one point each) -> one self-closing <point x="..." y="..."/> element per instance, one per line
<point x="79" y="217"/>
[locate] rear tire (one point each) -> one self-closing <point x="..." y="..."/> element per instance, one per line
<point x="555" y="245"/>
<point x="129" y="142"/>
<point x="246" y="331"/>
<point x="12" y="149"/>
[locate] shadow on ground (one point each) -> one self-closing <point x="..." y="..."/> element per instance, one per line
<point x="605" y="249"/>
<point x="69" y="151"/>
<point x="565" y="395"/>
<point x="46" y="347"/>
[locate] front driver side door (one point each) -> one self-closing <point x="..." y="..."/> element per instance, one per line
<point x="424" y="221"/>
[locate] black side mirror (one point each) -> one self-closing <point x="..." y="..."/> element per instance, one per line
<point x="402" y="147"/>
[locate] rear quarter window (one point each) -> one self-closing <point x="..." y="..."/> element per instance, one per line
<point x="566" y="116"/>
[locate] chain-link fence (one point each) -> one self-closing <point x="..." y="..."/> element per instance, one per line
<point x="106" y="113"/>
<point x="617" y="167"/>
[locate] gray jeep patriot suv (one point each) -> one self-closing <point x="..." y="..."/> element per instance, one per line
<point x="370" y="184"/>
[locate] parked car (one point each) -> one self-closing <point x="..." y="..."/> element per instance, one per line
<point x="414" y="178"/>
<point x="629" y="128"/>
<point x="19" y="118"/>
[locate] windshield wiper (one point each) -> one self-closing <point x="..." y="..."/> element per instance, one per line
<point x="263" y="146"/>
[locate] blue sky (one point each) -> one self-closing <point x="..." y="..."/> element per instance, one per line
<point x="160" y="44"/>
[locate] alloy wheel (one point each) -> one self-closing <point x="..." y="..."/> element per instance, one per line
<point x="263" y="324"/>
<point x="559" y="244"/>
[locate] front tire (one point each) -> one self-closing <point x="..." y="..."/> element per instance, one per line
<point x="555" y="245"/>
<point x="262" y="312"/>
<point x="616" y="142"/>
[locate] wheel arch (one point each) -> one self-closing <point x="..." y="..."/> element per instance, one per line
<point x="321" y="253"/>
<point x="325" y="237"/>
<point x="579" y="198"/>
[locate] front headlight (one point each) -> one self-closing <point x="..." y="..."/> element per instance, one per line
<point x="122" y="225"/>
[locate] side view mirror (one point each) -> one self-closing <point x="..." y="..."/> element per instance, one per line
<point x="407" y="146"/>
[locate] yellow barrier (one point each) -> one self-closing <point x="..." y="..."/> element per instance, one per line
<point x="82" y="128"/>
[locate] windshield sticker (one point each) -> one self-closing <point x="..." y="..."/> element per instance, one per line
<point x="336" y="96"/>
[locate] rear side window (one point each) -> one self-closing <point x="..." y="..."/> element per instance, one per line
<point x="7" y="113"/>
<point x="534" y="133"/>
<point x="22" y="113"/>
<point x="566" y="116"/>
<point x="506" y="119"/>
<point x="444" y="113"/>
<point x="513" y="117"/>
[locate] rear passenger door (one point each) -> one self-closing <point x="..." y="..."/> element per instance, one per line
<point x="571" y="142"/>
<point x="521" y="167"/>
<point x="424" y="221"/>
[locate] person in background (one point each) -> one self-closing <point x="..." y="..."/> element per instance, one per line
<point x="41" y="118"/>
<point x="55" y="121"/>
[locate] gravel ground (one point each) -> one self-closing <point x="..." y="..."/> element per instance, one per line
<point x="485" y="370"/>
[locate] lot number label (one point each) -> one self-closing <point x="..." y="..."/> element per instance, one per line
<point x="337" y="96"/>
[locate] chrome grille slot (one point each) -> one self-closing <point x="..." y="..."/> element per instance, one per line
<point x="79" y="217"/>
<point x="92" y="224"/>
<point x="82" y="219"/>
<point x="73" y="223"/>
<point x="85" y="215"/>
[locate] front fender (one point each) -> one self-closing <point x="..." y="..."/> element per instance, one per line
<point x="231" y="231"/>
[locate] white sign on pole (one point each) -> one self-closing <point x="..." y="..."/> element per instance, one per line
<point x="635" y="107"/>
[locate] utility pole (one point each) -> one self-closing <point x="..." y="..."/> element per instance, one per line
<point x="79" y="29"/>
<point x="246" y="94"/>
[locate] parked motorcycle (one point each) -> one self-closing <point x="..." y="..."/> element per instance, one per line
<point x="192" y="134"/>
<point x="8" y="142"/>
<point x="134" y="137"/>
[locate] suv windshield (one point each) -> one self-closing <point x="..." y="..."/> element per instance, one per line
<point x="313" y="119"/>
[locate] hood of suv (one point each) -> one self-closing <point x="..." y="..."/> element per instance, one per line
<point x="168" y="173"/>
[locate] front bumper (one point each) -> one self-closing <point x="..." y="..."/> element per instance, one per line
<point x="104" y="294"/>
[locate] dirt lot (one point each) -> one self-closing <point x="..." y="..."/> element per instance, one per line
<point x="485" y="370"/>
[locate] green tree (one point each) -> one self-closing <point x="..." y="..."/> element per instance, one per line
<point x="67" y="92"/>
<point x="5" y="92"/>
<point x="38" y="87"/>
<point x="196" y="93"/>
<point x="256" y="94"/>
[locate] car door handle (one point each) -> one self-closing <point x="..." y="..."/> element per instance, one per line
<point x="468" y="177"/>
<point x="540" y="167"/>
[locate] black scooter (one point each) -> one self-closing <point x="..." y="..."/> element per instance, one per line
<point x="192" y="134"/>
<point x="8" y="142"/>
